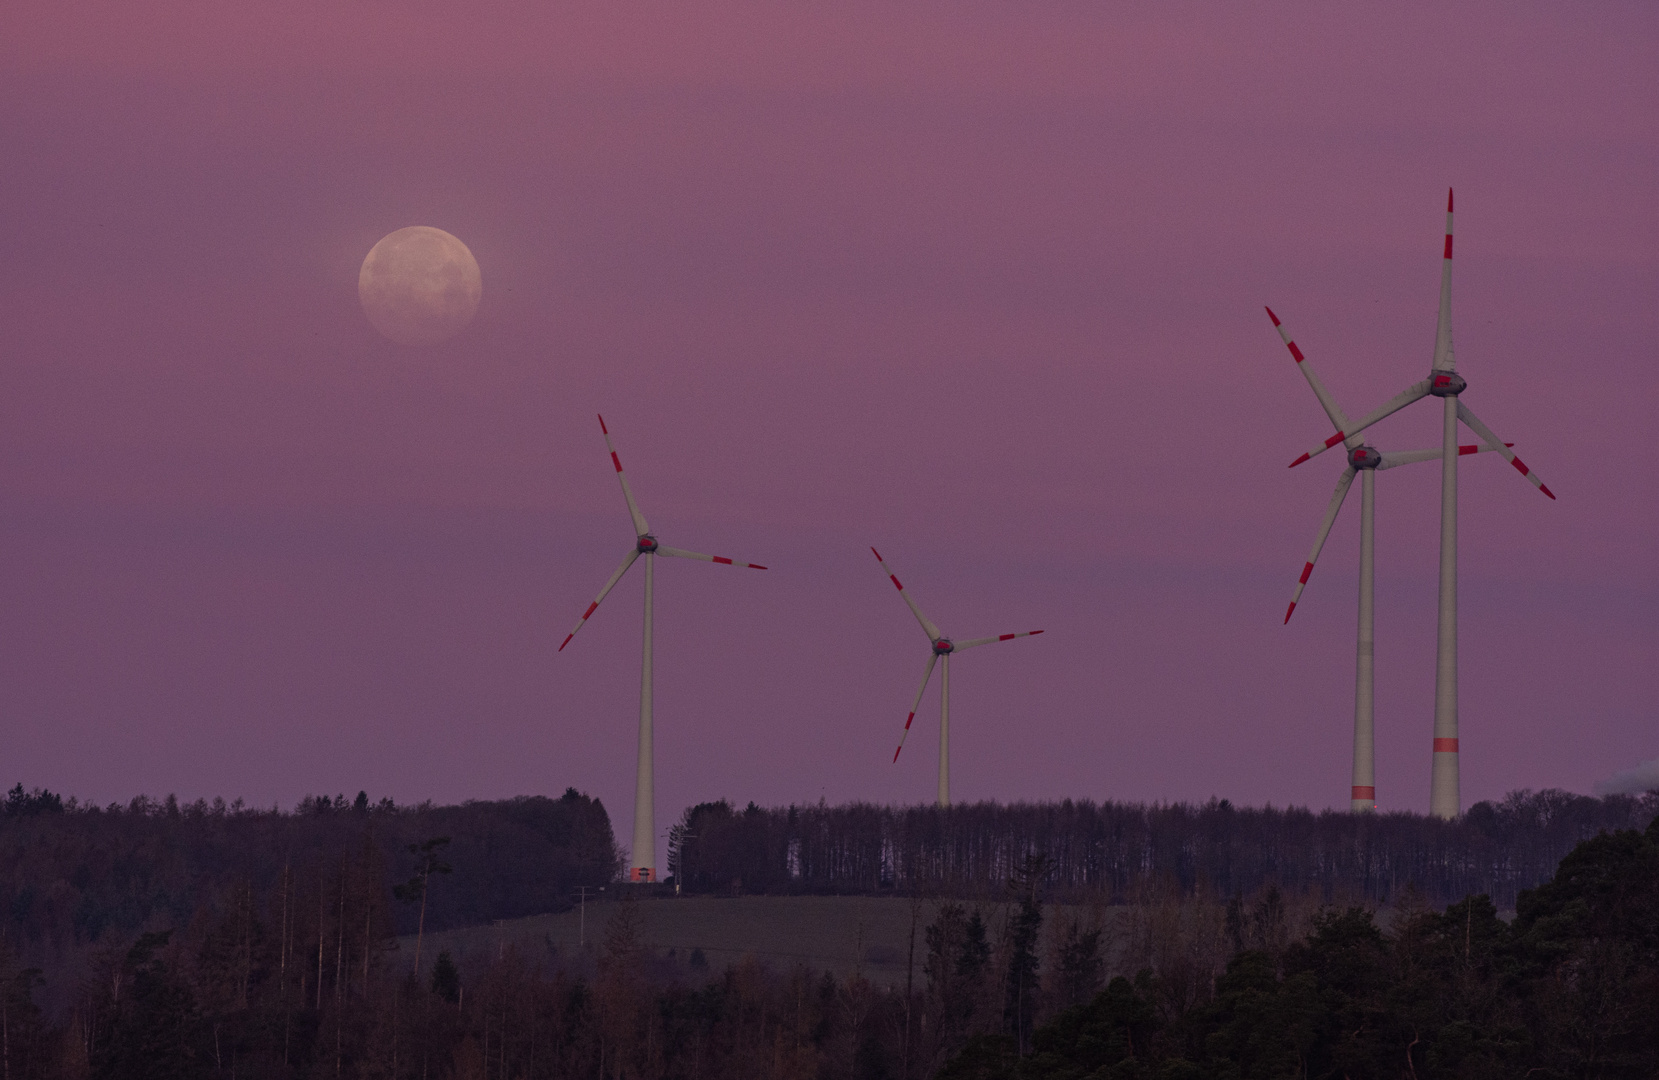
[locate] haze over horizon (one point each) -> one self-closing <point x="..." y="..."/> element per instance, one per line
<point x="980" y="286"/>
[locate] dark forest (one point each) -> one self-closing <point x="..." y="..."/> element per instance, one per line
<point x="168" y="939"/>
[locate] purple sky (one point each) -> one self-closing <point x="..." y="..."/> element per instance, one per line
<point x="980" y="284"/>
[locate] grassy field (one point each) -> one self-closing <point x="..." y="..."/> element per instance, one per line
<point x="843" y="934"/>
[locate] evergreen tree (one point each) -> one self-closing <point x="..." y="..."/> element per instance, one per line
<point x="1019" y="1005"/>
<point x="446" y="978"/>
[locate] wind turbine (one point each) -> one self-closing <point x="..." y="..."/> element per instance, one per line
<point x="645" y="841"/>
<point x="1366" y="461"/>
<point x="943" y="647"/>
<point x="1445" y="383"/>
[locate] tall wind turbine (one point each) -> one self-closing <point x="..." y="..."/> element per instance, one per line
<point x="645" y="839"/>
<point x="1366" y="461"/>
<point x="1445" y="383"/>
<point x="943" y="647"/>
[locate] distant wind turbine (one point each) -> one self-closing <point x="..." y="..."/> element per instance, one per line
<point x="1366" y="461"/>
<point x="943" y="647"/>
<point x="645" y="842"/>
<point x="1444" y="382"/>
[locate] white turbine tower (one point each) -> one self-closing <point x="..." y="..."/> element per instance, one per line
<point x="1445" y="383"/>
<point x="1366" y="461"/>
<point x="645" y="840"/>
<point x="943" y="647"/>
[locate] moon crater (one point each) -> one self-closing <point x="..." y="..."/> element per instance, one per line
<point x="419" y="286"/>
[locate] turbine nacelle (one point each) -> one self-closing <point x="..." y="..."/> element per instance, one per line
<point x="943" y="647"/>
<point x="1364" y="457"/>
<point x="646" y="544"/>
<point x="1447" y="384"/>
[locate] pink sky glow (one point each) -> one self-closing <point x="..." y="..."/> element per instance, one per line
<point x="979" y="284"/>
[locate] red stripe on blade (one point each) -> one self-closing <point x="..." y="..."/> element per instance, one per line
<point x="616" y="461"/>
<point x="1007" y="637"/>
<point x="1294" y="351"/>
<point x="1520" y="466"/>
<point x="1334" y="439"/>
<point x="1034" y="633"/>
<point x="1364" y="792"/>
<point x="1307" y="572"/>
<point x="1468" y="450"/>
<point x="718" y="559"/>
<point x="1445" y="746"/>
<point x="602" y="426"/>
<point x="907" y="720"/>
<point x="591" y="609"/>
<point x="896" y="584"/>
<point x="1448" y="200"/>
<point x="1448" y="245"/>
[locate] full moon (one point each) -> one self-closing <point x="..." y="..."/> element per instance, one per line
<point x="419" y="285"/>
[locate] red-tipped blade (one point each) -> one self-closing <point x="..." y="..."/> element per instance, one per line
<point x="1503" y="448"/>
<point x="627" y="561"/>
<point x="679" y="553"/>
<point x="927" y="673"/>
<point x="1337" y="496"/>
<point x="1338" y="418"/>
<point x="640" y="527"/>
<point x="928" y="627"/>
<point x="960" y="645"/>
<point x="1443" y="360"/>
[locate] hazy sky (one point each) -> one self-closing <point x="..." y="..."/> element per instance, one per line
<point x="980" y="284"/>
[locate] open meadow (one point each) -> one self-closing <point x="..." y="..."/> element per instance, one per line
<point x="845" y="935"/>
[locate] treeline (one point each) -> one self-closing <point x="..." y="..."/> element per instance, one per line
<point x="74" y="875"/>
<point x="1114" y="849"/>
<point x="1173" y="987"/>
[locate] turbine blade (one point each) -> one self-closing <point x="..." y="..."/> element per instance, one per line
<point x="1443" y="329"/>
<point x="960" y="645"/>
<point x="627" y="561"/>
<point x="927" y="673"/>
<point x="1485" y="432"/>
<point x="1396" y="458"/>
<point x="928" y="628"/>
<point x="677" y="553"/>
<point x="640" y="527"/>
<point x="1341" y="493"/>
<point x="1388" y="408"/>
<point x="1339" y="419"/>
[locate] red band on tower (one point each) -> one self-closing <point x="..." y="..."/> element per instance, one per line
<point x="1445" y="746"/>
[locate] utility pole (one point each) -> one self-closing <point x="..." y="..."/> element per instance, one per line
<point x="582" y="916"/>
